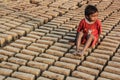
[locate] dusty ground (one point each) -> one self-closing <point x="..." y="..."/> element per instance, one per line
<point x="34" y="41"/>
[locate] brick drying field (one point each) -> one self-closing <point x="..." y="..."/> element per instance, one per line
<point x="34" y="41"/>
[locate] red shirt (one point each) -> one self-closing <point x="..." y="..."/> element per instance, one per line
<point x="95" y="29"/>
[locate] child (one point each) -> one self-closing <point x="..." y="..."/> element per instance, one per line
<point x="89" y="30"/>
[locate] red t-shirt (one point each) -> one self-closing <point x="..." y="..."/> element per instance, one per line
<point x="95" y="29"/>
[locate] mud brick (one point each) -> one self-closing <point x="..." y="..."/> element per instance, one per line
<point x="10" y="25"/>
<point x="17" y="61"/>
<point x="11" y="78"/>
<point x="68" y="28"/>
<point x="110" y="75"/>
<point x="2" y="41"/>
<point x="102" y="56"/>
<point x="88" y="70"/>
<point x="110" y="40"/>
<point x="37" y="33"/>
<point x="9" y="65"/>
<point x="41" y="66"/>
<point x="114" y="64"/>
<point x="46" y="28"/>
<point x="101" y="78"/>
<point x="61" y="30"/>
<point x="58" y="32"/>
<point x="54" y="23"/>
<point x="15" y="22"/>
<point x="106" y="48"/>
<point x="115" y="58"/>
<point x="112" y="70"/>
<point x="2" y="77"/>
<point x="52" y="75"/>
<point x="27" y="30"/>
<point x="70" y="55"/>
<point x="5" y="72"/>
<point x="48" y="16"/>
<point x="43" y="78"/>
<point x="19" y="32"/>
<point x="62" y="45"/>
<point x="41" y="20"/>
<point x="44" y="18"/>
<point x="2" y="30"/>
<point x="17" y="45"/>
<point x="49" y="38"/>
<point x="7" y="37"/>
<point x="36" y="49"/>
<point x="103" y="52"/>
<point x="13" y="34"/>
<point x="33" y="36"/>
<point x="65" y="41"/>
<point x="23" y="76"/>
<point x="27" y="26"/>
<point x="50" y="26"/>
<point x="83" y="75"/>
<point x="96" y="60"/>
<point x="55" y="52"/>
<point x="6" y="53"/>
<point x="40" y="45"/>
<point x="59" y="70"/>
<point x="29" y="52"/>
<point x="45" y="42"/>
<point x="23" y="42"/>
<point x="49" y="56"/>
<point x="54" y="35"/>
<point x="45" y="60"/>
<point x="57" y="21"/>
<point x="69" y="37"/>
<point x="28" y="39"/>
<point x="3" y="57"/>
<point x="33" y="23"/>
<point x="73" y="78"/>
<point x="65" y="65"/>
<point x="12" y="49"/>
<point x="92" y="65"/>
<point x="24" y="56"/>
<point x="29" y="70"/>
<point x="109" y="44"/>
<point x="42" y="31"/>
<point x="69" y="60"/>
<point x="69" y="25"/>
<point x="52" y="13"/>
<point x="58" y="48"/>
<point x="4" y="27"/>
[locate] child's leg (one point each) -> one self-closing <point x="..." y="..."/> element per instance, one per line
<point x="78" y="40"/>
<point x="89" y="41"/>
<point x="72" y="42"/>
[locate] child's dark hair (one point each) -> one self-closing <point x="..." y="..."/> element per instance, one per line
<point x="90" y="9"/>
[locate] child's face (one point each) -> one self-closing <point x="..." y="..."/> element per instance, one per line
<point x="92" y="17"/>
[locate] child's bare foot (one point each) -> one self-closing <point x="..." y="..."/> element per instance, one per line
<point x="72" y="42"/>
<point x="80" y="53"/>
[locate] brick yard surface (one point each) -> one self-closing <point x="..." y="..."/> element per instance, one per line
<point x="35" y="34"/>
